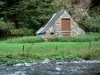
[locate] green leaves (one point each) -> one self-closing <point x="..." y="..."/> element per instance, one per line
<point x="91" y="23"/>
<point x="29" y="14"/>
<point x="35" y="13"/>
<point x="3" y="25"/>
<point x="21" y="32"/>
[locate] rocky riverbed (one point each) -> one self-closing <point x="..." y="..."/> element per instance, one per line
<point x="47" y="67"/>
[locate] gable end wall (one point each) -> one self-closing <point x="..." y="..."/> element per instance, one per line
<point x="56" y="28"/>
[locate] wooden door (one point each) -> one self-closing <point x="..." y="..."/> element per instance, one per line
<point x="66" y="26"/>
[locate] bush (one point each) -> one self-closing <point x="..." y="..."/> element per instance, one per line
<point x="25" y="39"/>
<point x="9" y="29"/>
<point x="86" y="38"/>
<point x="92" y="54"/>
<point x="91" y="23"/>
<point x="4" y="27"/>
<point x="21" y="32"/>
<point x="68" y="57"/>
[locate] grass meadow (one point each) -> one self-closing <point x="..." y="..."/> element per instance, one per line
<point x="51" y="50"/>
<point x="24" y="49"/>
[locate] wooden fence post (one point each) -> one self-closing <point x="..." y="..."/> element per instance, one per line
<point x="90" y="43"/>
<point x="23" y="49"/>
<point x="56" y="48"/>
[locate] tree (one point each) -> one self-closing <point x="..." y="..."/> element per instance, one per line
<point x="8" y="25"/>
<point x="8" y="8"/>
<point x="91" y="23"/>
<point x="5" y="28"/>
<point x="75" y="7"/>
<point x="25" y="15"/>
<point x="95" y="2"/>
<point x="34" y="13"/>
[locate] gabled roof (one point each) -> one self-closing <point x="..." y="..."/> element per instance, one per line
<point x="54" y="18"/>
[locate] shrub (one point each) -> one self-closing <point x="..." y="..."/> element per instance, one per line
<point x="25" y="39"/>
<point x="92" y="54"/>
<point x="3" y="25"/>
<point x="21" y="32"/>
<point x="68" y="57"/>
<point x="86" y="38"/>
<point x="91" y="23"/>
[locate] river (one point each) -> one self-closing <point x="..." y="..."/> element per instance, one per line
<point x="53" y="68"/>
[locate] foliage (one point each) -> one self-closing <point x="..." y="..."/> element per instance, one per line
<point x="91" y="19"/>
<point x="9" y="29"/>
<point x="66" y="4"/>
<point x="85" y="38"/>
<point x="75" y="7"/>
<point x="30" y="14"/>
<point x="25" y="39"/>
<point x="92" y="54"/>
<point x="95" y="3"/>
<point x="8" y="9"/>
<point x="34" y="13"/>
<point x="4" y="27"/>
<point x="94" y="11"/>
<point x="21" y="32"/>
<point x="91" y="24"/>
<point x="68" y="57"/>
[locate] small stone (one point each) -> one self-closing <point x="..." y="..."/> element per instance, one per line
<point x="27" y="64"/>
<point x="58" y="69"/>
<point x="18" y="64"/>
<point x="45" y="61"/>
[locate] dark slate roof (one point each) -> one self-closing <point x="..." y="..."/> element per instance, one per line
<point x="54" y="18"/>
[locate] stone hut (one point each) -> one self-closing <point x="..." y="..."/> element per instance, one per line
<point x="60" y="24"/>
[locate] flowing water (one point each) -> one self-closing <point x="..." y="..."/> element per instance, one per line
<point x="53" y="68"/>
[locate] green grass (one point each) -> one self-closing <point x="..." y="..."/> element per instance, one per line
<point x="33" y="39"/>
<point x="51" y="50"/>
<point x="45" y="46"/>
<point x="24" y="39"/>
